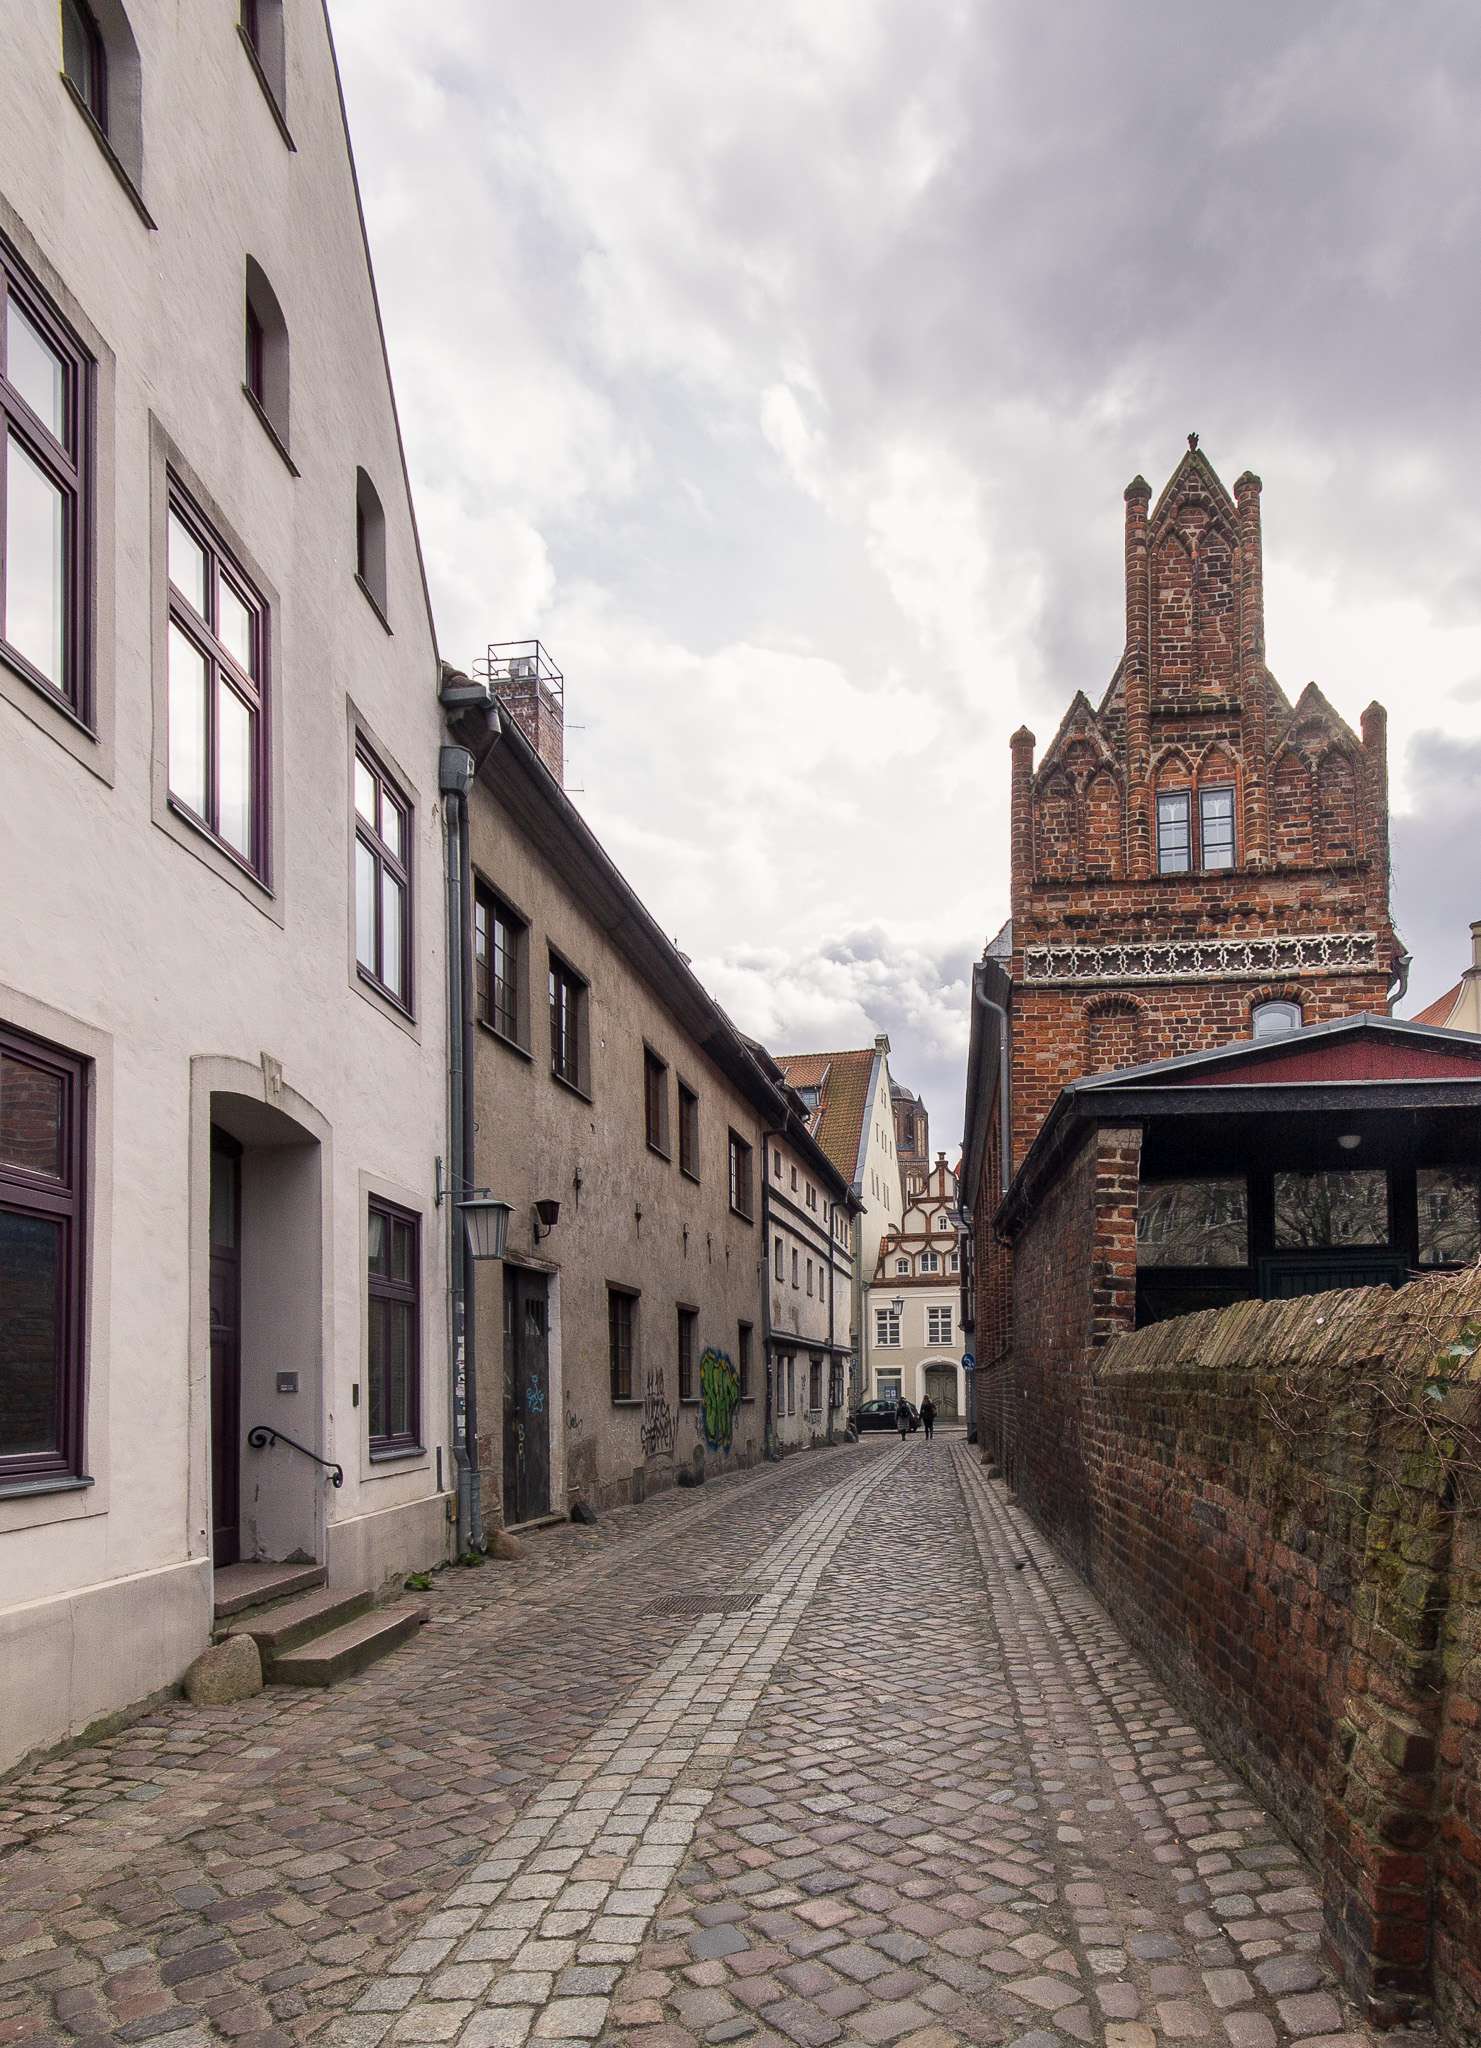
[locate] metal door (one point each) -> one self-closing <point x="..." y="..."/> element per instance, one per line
<point x="526" y="1395"/>
<point x="226" y="1347"/>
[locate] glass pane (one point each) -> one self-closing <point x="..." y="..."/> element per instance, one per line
<point x="1192" y="1223"/>
<point x="364" y="792"/>
<point x="393" y="948"/>
<point x="402" y="1241"/>
<point x="31" y="1331"/>
<point x="187" y="564"/>
<point x="31" y="1107"/>
<point x="234" y="625"/>
<point x="35" y="564"/>
<point x="393" y="825"/>
<point x="223" y="1200"/>
<point x="187" y="722"/>
<point x="35" y="369"/>
<point x="1449" y="1215"/>
<point x="398" y="1368"/>
<point x="379" y="1241"/>
<point x="365" y="906"/>
<point x="1337" y="1208"/>
<point x="235" y="741"/>
<point x="79" y="53"/>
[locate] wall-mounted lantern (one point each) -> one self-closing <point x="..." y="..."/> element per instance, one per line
<point x="547" y="1215"/>
<point x="898" y="1305"/>
<point x="485" y="1224"/>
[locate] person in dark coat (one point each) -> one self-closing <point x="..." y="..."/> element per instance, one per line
<point x="902" y="1418"/>
<point x="928" y="1415"/>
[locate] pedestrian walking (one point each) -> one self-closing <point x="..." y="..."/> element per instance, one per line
<point x="928" y="1416"/>
<point x="902" y="1418"/>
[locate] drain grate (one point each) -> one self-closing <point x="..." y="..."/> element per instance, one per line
<point x="690" y="1606"/>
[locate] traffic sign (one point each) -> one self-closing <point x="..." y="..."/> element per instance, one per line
<point x="969" y="1363"/>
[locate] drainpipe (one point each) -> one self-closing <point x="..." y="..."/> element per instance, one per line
<point x="832" y="1277"/>
<point x="457" y="771"/>
<point x="1004" y="1172"/>
<point x="766" y="1425"/>
<point x="1398" y="986"/>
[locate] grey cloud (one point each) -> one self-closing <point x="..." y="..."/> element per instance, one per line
<point x="1437" y="877"/>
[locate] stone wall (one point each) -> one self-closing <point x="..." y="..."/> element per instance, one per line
<point x="1281" y="1503"/>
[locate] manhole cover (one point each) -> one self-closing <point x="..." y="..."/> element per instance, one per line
<point x="690" y="1606"/>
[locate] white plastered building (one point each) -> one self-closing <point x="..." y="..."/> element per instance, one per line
<point x="223" y="1024"/>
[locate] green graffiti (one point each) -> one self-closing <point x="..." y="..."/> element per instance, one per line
<point x="719" y="1388"/>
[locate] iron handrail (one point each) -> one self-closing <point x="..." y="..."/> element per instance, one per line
<point x="261" y="1434"/>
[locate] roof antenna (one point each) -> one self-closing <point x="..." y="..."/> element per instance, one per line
<point x="1192" y="443"/>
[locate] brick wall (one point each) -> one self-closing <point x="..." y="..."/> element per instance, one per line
<point x="1264" y="1497"/>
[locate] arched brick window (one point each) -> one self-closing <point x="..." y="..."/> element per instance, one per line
<point x="1103" y="825"/>
<point x="1114" y="1035"/>
<point x="1290" y="809"/>
<point x="1054" y="830"/>
<point x="1336" y="808"/>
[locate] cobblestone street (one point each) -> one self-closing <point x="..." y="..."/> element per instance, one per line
<point x="908" y="1785"/>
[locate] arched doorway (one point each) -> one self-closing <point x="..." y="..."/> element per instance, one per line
<point x="940" y="1383"/>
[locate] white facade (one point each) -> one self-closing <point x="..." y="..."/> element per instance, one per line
<point x="185" y="993"/>
<point x="914" y="1302"/>
<point x="810" y="1264"/>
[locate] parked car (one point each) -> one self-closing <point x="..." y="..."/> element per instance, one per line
<point x="881" y="1415"/>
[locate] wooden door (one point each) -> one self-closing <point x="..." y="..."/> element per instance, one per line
<point x="526" y="1395"/>
<point x="226" y="1347"/>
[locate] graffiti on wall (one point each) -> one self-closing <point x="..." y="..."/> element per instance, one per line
<point x="658" y="1417"/>
<point x="719" y="1391"/>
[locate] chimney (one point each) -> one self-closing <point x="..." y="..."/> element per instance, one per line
<point x="1476" y="945"/>
<point x="533" y="691"/>
<point x="1136" y="675"/>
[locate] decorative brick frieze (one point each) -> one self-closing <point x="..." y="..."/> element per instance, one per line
<point x="1252" y="959"/>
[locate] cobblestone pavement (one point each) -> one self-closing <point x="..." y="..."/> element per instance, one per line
<point x="907" y="1786"/>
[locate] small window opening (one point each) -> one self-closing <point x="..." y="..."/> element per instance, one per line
<point x="1273" y="1020"/>
<point x="266" y="369"/>
<point x="370" y="541"/>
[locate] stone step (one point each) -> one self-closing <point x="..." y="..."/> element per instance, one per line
<point x="288" y="1623"/>
<point x="348" y="1648"/>
<point x="236" y="1587"/>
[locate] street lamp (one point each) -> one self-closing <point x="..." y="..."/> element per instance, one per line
<point x="485" y="1224"/>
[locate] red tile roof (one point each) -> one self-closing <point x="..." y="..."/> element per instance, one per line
<point x="844" y="1078"/>
<point x="1437" y="1011"/>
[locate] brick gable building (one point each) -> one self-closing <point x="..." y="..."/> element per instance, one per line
<point x="1196" y="859"/>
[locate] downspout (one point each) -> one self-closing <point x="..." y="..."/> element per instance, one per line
<point x="766" y="1421"/>
<point x="454" y="777"/>
<point x="457" y="772"/>
<point x="1004" y="1173"/>
<point x="832" y="1279"/>
<point x="1400" y="975"/>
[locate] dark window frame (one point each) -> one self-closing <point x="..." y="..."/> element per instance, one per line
<point x="688" y="1130"/>
<point x="69" y="466"/>
<point x="404" y="1294"/>
<point x="656" y="1102"/>
<point x="741" y="1163"/>
<point x="267" y="368"/>
<point x="507" y="1019"/>
<point x="622" y="1329"/>
<point x="261" y="30"/>
<point x="92" y="92"/>
<point x="1218" y="789"/>
<point x="743" y="1334"/>
<point x="65" y="1203"/>
<point x="384" y="860"/>
<point x="688" y="1329"/>
<point x="570" y="1038"/>
<point x="223" y="672"/>
<point x="1175" y="832"/>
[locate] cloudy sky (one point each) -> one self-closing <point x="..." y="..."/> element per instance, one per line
<point x="782" y="367"/>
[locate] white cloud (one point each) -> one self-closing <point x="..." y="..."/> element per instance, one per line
<point x="783" y="368"/>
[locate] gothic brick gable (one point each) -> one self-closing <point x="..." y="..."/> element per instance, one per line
<point x="1285" y="891"/>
